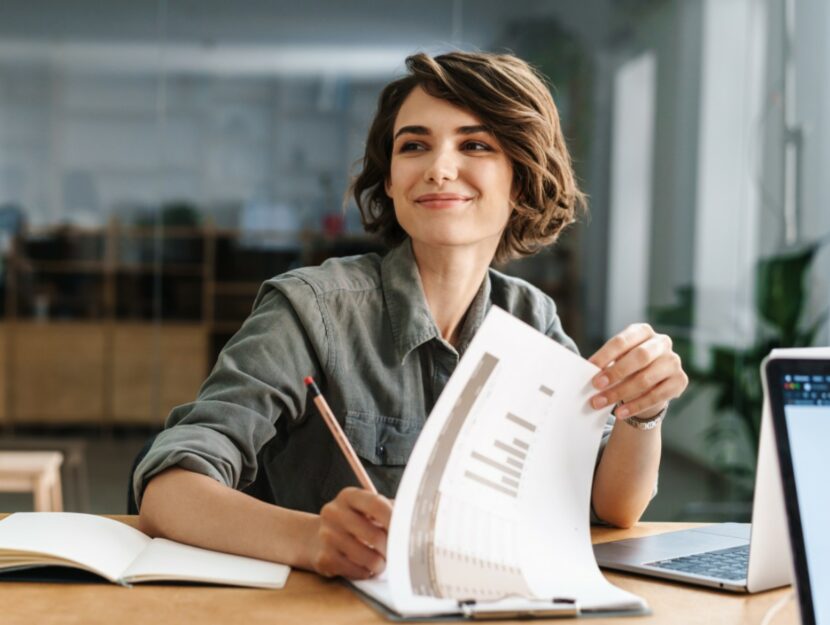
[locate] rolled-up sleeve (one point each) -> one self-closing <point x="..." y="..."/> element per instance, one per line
<point x="257" y="379"/>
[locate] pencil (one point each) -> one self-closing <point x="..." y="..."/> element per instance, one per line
<point x="339" y="435"/>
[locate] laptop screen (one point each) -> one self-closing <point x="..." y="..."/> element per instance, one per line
<point x="800" y="398"/>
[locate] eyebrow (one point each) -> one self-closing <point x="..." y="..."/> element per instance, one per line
<point x="423" y="130"/>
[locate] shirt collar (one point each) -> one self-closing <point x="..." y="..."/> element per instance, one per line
<point x="478" y="309"/>
<point x="409" y="314"/>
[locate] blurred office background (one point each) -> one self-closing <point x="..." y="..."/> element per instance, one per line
<point x="160" y="159"/>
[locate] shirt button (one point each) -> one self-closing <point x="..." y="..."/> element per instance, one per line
<point x="380" y="450"/>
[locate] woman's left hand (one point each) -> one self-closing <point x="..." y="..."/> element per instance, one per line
<point x="640" y="373"/>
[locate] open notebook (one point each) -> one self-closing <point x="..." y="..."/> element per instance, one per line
<point x="492" y="515"/>
<point x="121" y="554"/>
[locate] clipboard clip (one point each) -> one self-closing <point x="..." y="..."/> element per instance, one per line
<point x="518" y="608"/>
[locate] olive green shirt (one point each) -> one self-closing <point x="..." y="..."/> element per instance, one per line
<point x="362" y="327"/>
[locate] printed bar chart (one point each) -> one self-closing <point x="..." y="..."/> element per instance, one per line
<point x="506" y="457"/>
<point x="512" y="492"/>
<point x="508" y="481"/>
<point x="495" y="463"/>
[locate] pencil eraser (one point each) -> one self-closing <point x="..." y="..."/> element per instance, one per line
<point x="308" y="380"/>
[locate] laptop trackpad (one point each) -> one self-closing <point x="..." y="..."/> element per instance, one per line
<point x="673" y="544"/>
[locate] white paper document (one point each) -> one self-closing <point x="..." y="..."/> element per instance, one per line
<point x="492" y="512"/>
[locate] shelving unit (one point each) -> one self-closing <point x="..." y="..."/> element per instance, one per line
<point x="114" y="326"/>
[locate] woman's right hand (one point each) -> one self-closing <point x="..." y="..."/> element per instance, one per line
<point x="351" y="535"/>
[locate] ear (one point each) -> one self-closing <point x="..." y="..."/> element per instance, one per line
<point x="387" y="187"/>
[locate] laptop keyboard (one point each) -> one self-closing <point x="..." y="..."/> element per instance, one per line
<point x="728" y="564"/>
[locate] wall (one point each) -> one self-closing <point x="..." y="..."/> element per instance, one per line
<point x="812" y="66"/>
<point x="80" y="146"/>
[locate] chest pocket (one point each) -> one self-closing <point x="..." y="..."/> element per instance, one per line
<point x="382" y="441"/>
<point x="383" y="445"/>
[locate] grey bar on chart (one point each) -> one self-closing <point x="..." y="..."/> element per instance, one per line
<point x="511" y="450"/>
<point x="515" y="463"/>
<point x="509" y="482"/>
<point x="519" y="421"/>
<point x="493" y="485"/>
<point x="518" y="442"/>
<point x="497" y="465"/>
<point x="546" y="390"/>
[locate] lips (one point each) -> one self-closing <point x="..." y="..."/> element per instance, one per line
<point x="442" y="200"/>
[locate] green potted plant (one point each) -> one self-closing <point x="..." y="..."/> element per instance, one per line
<point x="734" y="373"/>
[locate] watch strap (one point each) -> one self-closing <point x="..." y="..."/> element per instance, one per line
<point x="649" y="423"/>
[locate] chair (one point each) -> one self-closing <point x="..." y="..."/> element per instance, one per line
<point x="36" y="472"/>
<point x="74" y="473"/>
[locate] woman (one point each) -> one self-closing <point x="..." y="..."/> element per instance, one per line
<point x="465" y="162"/>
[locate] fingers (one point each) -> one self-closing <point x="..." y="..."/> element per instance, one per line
<point x="376" y="507"/>
<point x="639" y="370"/>
<point x="653" y="400"/>
<point x="634" y="381"/>
<point x="348" y="520"/>
<point x="356" y="552"/>
<point x="352" y="534"/>
<point x="333" y="563"/>
<point x="645" y="385"/>
<point x="621" y="344"/>
<point x="635" y="359"/>
<point x="339" y="545"/>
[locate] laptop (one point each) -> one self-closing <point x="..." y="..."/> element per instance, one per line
<point x="739" y="557"/>
<point x="800" y="398"/>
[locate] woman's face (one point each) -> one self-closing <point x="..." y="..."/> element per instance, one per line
<point x="450" y="181"/>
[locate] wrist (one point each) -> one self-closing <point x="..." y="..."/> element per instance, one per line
<point x="296" y="538"/>
<point x="651" y="422"/>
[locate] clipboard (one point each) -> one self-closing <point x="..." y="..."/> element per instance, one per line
<point x="513" y="608"/>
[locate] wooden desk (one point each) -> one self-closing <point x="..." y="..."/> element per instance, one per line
<point x="310" y="600"/>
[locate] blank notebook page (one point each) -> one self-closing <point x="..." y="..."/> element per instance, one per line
<point x="103" y="545"/>
<point x="167" y="560"/>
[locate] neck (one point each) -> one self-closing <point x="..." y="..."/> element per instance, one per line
<point x="451" y="277"/>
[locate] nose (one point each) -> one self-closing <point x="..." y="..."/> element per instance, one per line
<point x="442" y="167"/>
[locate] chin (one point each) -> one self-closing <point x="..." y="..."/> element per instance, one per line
<point x="459" y="242"/>
<point x="443" y="239"/>
<point x="452" y="236"/>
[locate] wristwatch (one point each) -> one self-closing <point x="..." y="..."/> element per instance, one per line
<point x="647" y="424"/>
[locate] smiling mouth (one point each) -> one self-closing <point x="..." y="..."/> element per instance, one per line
<point x="442" y="200"/>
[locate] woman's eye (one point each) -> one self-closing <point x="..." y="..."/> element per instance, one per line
<point x="477" y="146"/>
<point x="410" y="146"/>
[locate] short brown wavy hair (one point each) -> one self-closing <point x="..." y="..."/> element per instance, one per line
<point x="514" y="102"/>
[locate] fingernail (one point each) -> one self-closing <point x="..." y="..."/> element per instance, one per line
<point x="600" y="401"/>
<point x="622" y="413"/>
<point x="601" y="382"/>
